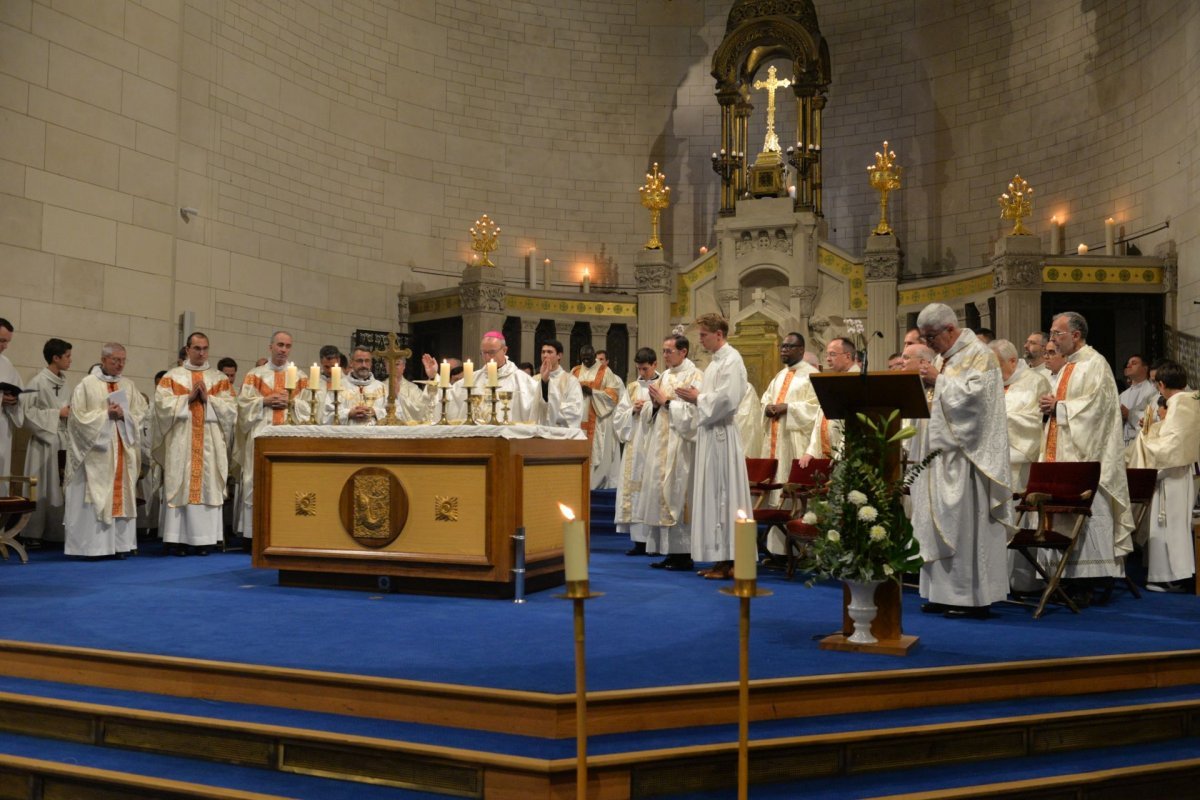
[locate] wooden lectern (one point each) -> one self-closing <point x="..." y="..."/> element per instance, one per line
<point x="875" y="395"/>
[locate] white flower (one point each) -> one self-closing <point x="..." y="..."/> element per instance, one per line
<point x="809" y="518"/>
<point x="856" y="497"/>
<point x="877" y="533"/>
<point x="887" y="570"/>
<point x="868" y="514"/>
<point x="833" y="536"/>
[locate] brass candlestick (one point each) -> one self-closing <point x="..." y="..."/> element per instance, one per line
<point x="445" y="405"/>
<point x="336" y="419"/>
<point x="1017" y="203"/>
<point x="885" y="177"/>
<point x="744" y="590"/>
<point x="656" y="196"/>
<point x="312" y="409"/>
<point x="485" y="236"/>
<point x="578" y="592"/>
<point x="495" y="419"/>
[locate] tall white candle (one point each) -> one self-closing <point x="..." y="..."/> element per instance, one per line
<point x="546" y="274"/>
<point x="335" y="378"/>
<point x="314" y="377"/>
<point x="587" y="280"/>
<point x="444" y="374"/>
<point x="289" y="376"/>
<point x="745" y="549"/>
<point x="1056" y="236"/>
<point x="1110" y="237"/>
<point x="491" y="374"/>
<point x="575" y="549"/>
<point x="531" y="269"/>
<point x="468" y="374"/>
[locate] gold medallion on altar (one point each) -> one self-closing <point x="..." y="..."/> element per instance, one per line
<point x="373" y="507"/>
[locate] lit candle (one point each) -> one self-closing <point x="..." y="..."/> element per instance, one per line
<point x="587" y="280"/>
<point x="314" y="377"/>
<point x="575" y="550"/>
<point x="289" y="376"/>
<point x="745" y="549"/>
<point x="703" y="250"/>
<point x="491" y="374"/>
<point x="468" y="374"/>
<point x="335" y="378"/>
<point x="1082" y="249"/>
<point x="1056" y="234"/>
<point x="546" y="274"/>
<point x="1110" y="237"/>
<point x="444" y="374"/>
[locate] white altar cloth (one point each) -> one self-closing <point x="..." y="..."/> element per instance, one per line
<point x="517" y="431"/>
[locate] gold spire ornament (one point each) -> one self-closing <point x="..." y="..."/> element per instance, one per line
<point x="885" y="177"/>
<point x="484" y="237"/>
<point x="1016" y="204"/>
<point x="656" y="196"/>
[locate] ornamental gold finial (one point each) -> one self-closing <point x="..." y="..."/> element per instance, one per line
<point x="656" y="196"/>
<point x="1016" y="204"/>
<point x="885" y="177"/>
<point x="484" y="237"/>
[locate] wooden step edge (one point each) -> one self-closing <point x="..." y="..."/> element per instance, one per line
<point x="72" y="780"/>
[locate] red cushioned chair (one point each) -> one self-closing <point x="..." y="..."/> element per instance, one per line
<point x="1142" y="483"/>
<point x="15" y="511"/>
<point x="803" y="484"/>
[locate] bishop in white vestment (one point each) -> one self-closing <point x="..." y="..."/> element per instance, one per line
<point x="46" y="410"/>
<point x="1172" y="447"/>
<point x="962" y="503"/>
<point x="602" y="391"/>
<point x="194" y="408"/>
<point x="103" y="458"/>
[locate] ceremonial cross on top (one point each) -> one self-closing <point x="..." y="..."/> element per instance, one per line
<point x="393" y="353"/>
<point x="771" y="144"/>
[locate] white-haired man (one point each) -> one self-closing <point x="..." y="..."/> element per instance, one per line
<point x="526" y="404"/>
<point x="1085" y="425"/>
<point x="961" y="503"/>
<point x="1023" y="387"/>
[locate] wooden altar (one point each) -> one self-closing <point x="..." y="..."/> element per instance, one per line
<point x="422" y="509"/>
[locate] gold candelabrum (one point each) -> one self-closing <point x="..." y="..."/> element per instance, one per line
<point x="656" y="196"/>
<point x="484" y="236"/>
<point x="885" y="178"/>
<point x="1016" y="204"/>
<point x="391" y="354"/>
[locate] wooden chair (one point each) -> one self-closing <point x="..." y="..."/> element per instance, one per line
<point x="1142" y="483"/>
<point x="15" y="511"/>
<point x="761" y="472"/>
<point x="1062" y="488"/>
<point x="803" y="484"/>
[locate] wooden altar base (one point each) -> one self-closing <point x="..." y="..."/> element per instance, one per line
<point x="385" y="584"/>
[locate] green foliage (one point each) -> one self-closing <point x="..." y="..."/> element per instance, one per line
<point x="865" y="533"/>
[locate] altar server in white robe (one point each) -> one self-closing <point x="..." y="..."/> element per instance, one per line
<point x="103" y="457"/>
<point x="1172" y="447"/>
<point x="748" y="420"/>
<point x="261" y="403"/>
<point x="664" y="504"/>
<point x="11" y="416"/>
<point x="632" y="432"/>
<point x="562" y="396"/>
<point x="602" y="391"/>
<point x="962" y="503"/>
<point x="194" y="408"/>
<point x="46" y="410"/>
<point x="788" y="408"/>
<point x="1141" y="394"/>
<point x="363" y="399"/>
<point x="720" y="487"/>
<point x="826" y="436"/>
<point x="1085" y="425"/>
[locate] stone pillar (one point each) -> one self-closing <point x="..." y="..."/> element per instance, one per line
<point x="528" y="332"/>
<point x="1017" y="278"/>
<point x="600" y="335"/>
<point x="803" y="299"/>
<point x="654" y="297"/>
<point x="481" y="295"/>
<point x="562" y="332"/>
<point x="881" y="265"/>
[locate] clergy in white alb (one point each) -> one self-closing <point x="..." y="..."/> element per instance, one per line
<point x="526" y="405"/>
<point x="103" y="458"/>
<point x="46" y="409"/>
<point x="1023" y="387"/>
<point x="788" y="408"/>
<point x="412" y="404"/>
<point x="720" y="486"/>
<point x="633" y="432"/>
<point x="1034" y="353"/>
<point x="363" y="398"/>
<point x="664" y="504"/>
<point x="11" y="416"/>
<point x="149" y="488"/>
<point x="562" y="396"/>
<point x="1085" y="425"/>
<point x="826" y="436"/>
<point x="601" y="391"/>
<point x="1140" y="393"/>
<point x="962" y="503"/>
<point x="1172" y="447"/>
<point x="194" y="406"/>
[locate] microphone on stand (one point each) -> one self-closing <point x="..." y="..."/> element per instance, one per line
<point x="864" y="366"/>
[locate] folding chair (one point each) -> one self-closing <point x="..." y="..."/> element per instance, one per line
<point x="1055" y="488"/>
<point x="803" y="484"/>
<point x="15" y="511"/>
<point x="761" y="472"/>
<point x="1142" y="483"/>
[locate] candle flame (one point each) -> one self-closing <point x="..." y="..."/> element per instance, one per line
<point x="742" y="515"/>
<point x="566" y="512"/>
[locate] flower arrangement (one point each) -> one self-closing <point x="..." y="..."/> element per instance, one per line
<point x="864" y="533"/>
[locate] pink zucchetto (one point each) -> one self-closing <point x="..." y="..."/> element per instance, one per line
<point x="497" y="335"/>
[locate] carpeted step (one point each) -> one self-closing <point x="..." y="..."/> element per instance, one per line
<point x="603" y="508"/>
<point x="126" y="771"/>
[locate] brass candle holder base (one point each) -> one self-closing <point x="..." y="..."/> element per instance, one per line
<point x="445" y="390"/>
<point x="745" y="588"/>
<point x="578" y="590"/>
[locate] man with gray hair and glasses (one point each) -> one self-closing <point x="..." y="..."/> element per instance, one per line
<point x="1085" y="425"/>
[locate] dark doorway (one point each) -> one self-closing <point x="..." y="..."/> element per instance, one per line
<point x="581" y="334"/>
<point x="617" y="345"/>
<point x="1118" y="324"/>
<point x="441" y="338"/>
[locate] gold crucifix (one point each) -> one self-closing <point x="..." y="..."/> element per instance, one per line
<point x="771" y="144"/>
<point x="393" y="353"/>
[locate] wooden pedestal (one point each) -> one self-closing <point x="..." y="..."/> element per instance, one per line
<point x="886" y="626"/>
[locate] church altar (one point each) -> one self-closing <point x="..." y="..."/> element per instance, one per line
<point x="423" y="508"/>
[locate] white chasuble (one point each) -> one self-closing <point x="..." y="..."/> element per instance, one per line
<point x="598" y="422"/>
<point x="670" y="448"/>
<point x="1021" y="394"/>
<point x="103" y="458"/>
<point x="720" y="486"/>
<point x="962" y="503"/>
<point x="253" y="417"/>
<point x="1171" y="447"/>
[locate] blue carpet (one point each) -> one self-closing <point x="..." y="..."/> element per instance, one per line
<point x="651" y="629"/>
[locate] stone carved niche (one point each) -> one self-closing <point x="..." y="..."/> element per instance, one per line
<point x="482" y="297"/>
<point x="778" y="239"/>
<point x="881" y="267"/>
<point x="1018" y="272"/>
